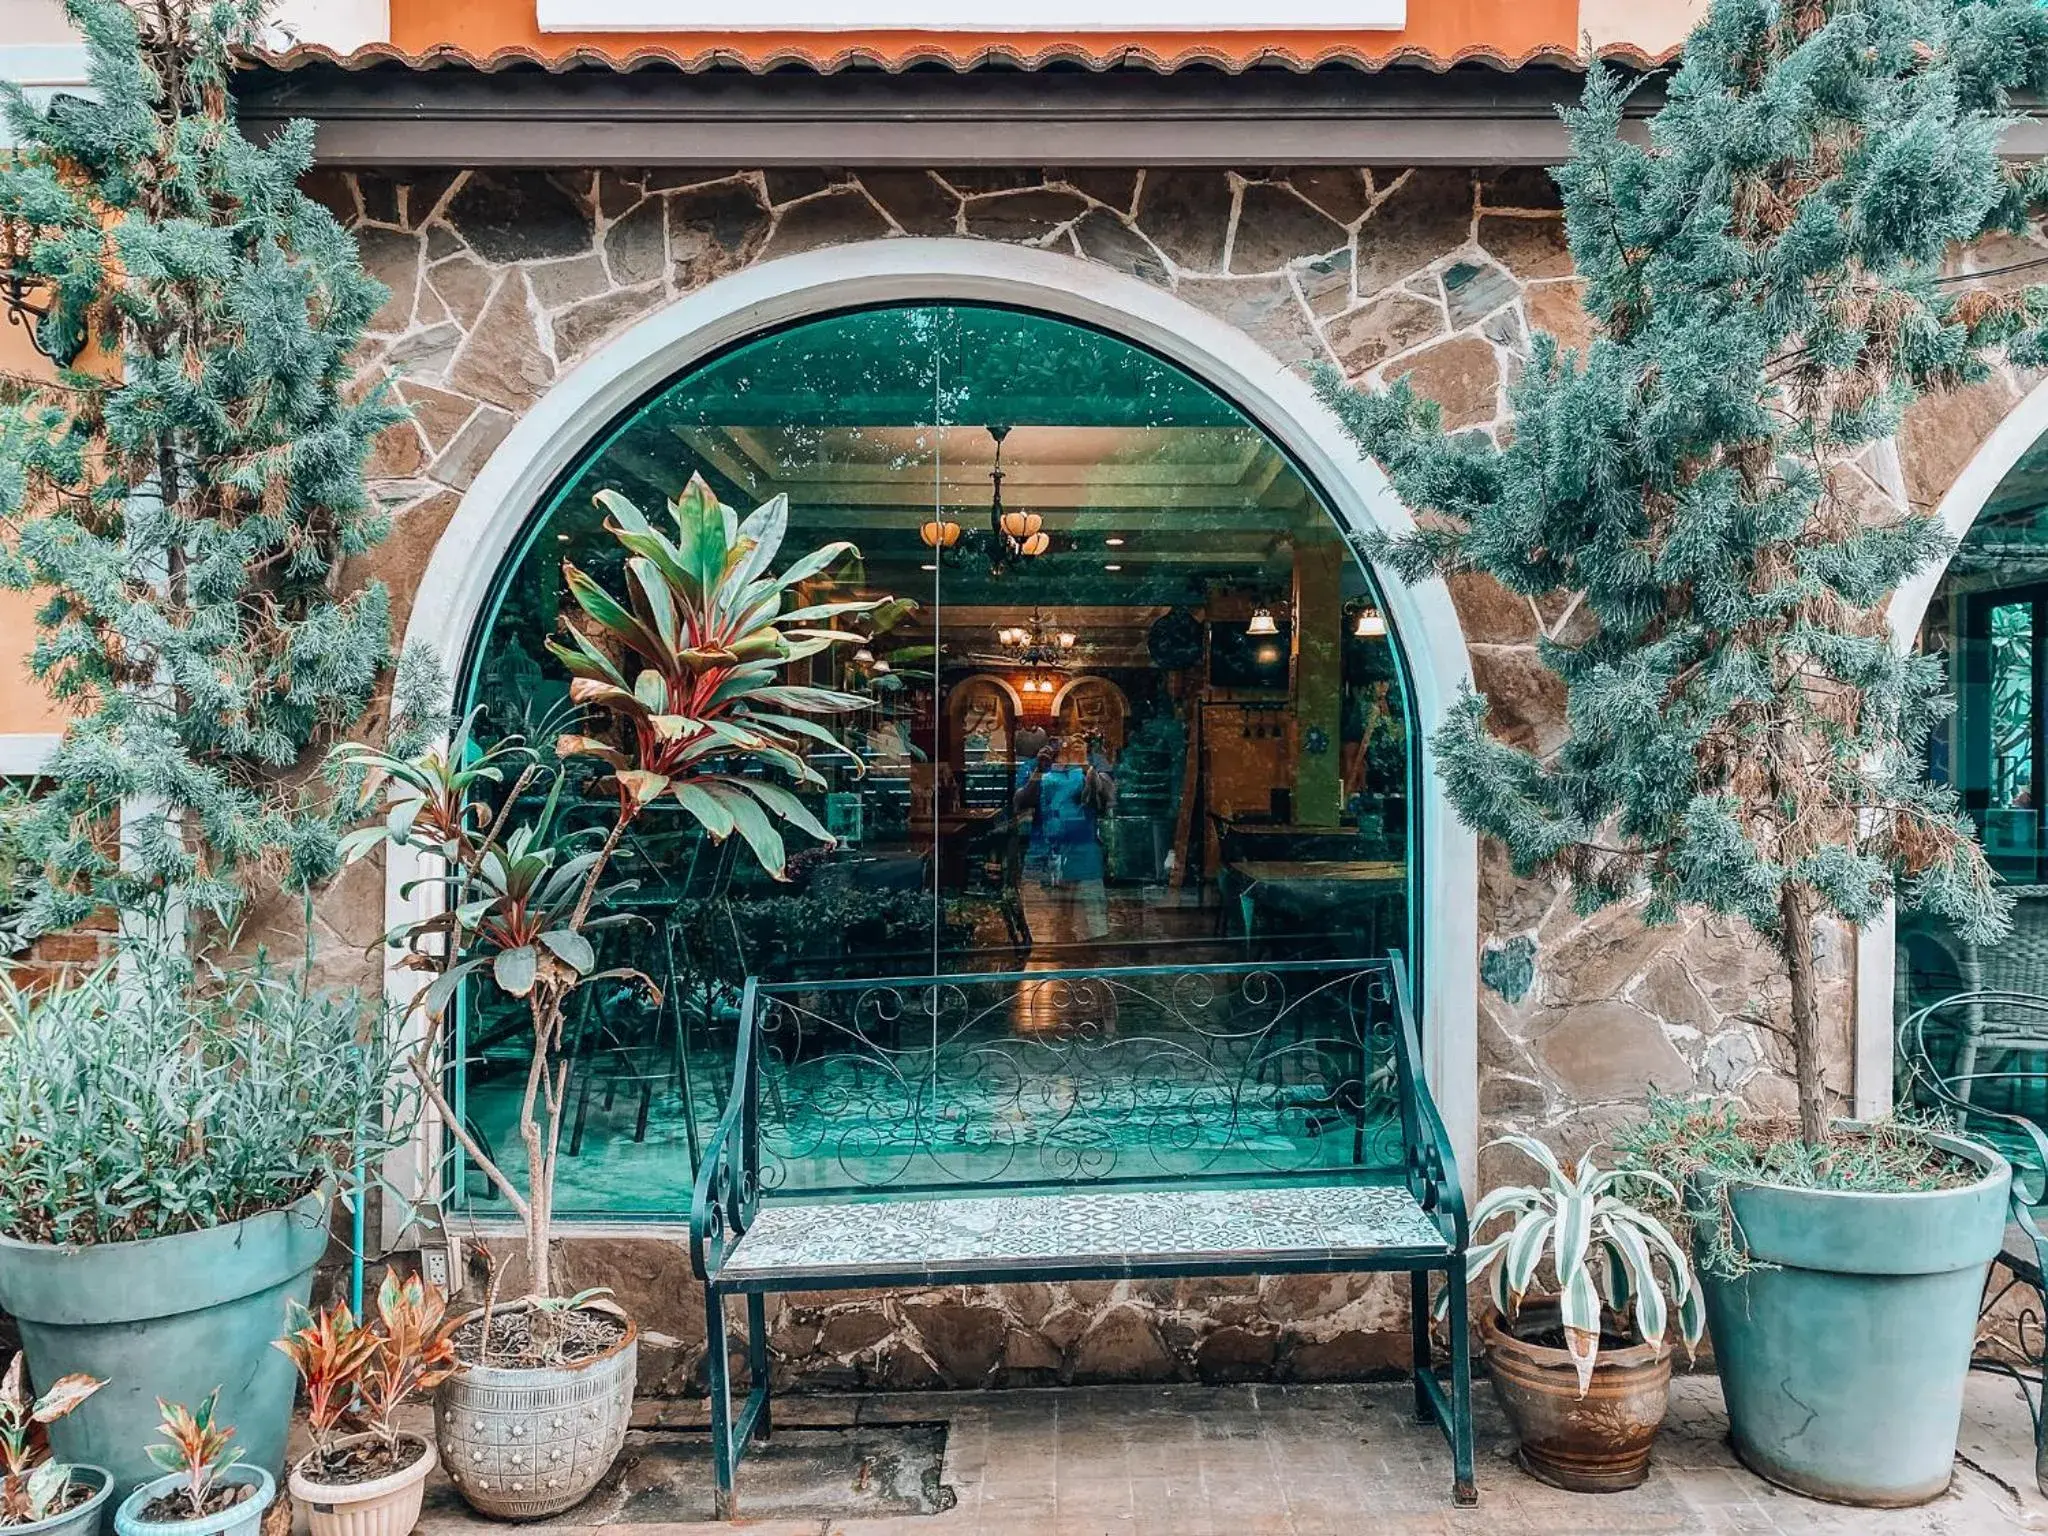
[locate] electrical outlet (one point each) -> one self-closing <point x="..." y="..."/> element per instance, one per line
<point x="434" y="1265"/>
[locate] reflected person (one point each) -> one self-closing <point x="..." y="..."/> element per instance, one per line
<point x="1067" y="785"/>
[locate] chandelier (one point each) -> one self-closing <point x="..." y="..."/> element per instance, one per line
<point x="1037" y="646"/>
<point x="1016" y="535"/>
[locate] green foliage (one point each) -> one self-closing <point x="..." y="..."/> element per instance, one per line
<point x="1742" y="734"/>
<point x="197" y="1447"/>
<point x="186" y="493"/>
<point x="705" y="619"/>
<point x="145" y="1100"/>
<point x="1710" y="1149"/>
<point x="1603" y="1251"/>
<point x="21" y="877"/>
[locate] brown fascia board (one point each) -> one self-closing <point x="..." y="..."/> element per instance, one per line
<point x="1339" y="115"/>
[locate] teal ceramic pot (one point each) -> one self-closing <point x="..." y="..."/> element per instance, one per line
<point x="243" y="1519"/>
<point x="1843" y="1365"/>
<point x="169" y="1317"/>
<point x="84" y="1520"/>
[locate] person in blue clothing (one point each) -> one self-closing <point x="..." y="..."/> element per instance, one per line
<point x="1067" y="787"/>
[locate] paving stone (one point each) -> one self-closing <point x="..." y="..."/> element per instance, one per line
<point x="1102" y="236"/>
<point x="633" y="246"/>
<point x="1116" y="188"/>
<point x="915" y="200"/>
<point x="1187" y="215"/>
<point x="1023" y="216"/>
<point x="713" y="230"/>
<point x="519" y="216"/>
<point x="1275" y="227"/>
<point x="1475" y="288"/>
<point x="1427" y="216"/>
<point x="834" y="218"/>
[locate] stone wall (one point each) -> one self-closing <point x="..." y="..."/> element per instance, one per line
<point x="502" y="280"/>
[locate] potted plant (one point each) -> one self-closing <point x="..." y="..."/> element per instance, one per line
<point x="1584" y="1371"/>
<point x="365" y="1476"/>
<point x="1687" y="497"/>
<point x="172" y="1140"/>
<point x="685" y="678"/>
<point x="207" y="1489"/>
<point x="38" y="1493"/>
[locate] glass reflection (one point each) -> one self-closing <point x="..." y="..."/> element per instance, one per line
<point x="1140" y="708"/>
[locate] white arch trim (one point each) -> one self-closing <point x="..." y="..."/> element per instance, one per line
<point x="550" y="437"/>
<point x="1877" y="944"/>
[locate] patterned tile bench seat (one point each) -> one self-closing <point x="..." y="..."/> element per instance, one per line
<point x="1154" y="1121"/>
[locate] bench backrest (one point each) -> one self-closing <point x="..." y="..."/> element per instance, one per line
<point x="1139" y="1075"/>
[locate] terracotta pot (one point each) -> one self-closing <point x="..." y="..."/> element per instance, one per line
<point x="1599" y="1443"/>
<point x="524" y="1444"/>
<point x="383" y="1506"/>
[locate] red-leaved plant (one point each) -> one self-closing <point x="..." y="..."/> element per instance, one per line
<point x="35" y="1487"/>
<point x="359" y="1374"/>
<point x="198" y="1450"/>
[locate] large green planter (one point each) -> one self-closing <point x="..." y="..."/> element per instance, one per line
<point x="1843" y="1365"/>
<point x="169" y="1317"/>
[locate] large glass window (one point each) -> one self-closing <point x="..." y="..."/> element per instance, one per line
<point x="1147" y="708"/>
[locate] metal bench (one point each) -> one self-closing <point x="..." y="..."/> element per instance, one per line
<point x="1981" y="1058"/>
<point x="1072" y="1125"/>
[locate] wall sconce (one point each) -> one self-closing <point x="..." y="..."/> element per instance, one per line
<point x="940" y="533"/>
<point x="1068" y="639"/>
<point x="1262" y="623"/>
<point x="863" y="657"/>
<point x="1371" y="625"/>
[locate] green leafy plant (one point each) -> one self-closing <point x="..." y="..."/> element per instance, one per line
<point x="198" y="1449"/>
<point x="1711" y="1148"/>
<point x="184" y="516"/>
<point x="687" y="675"/>
<point x="35" y="1487"/>
<point x="707" y="623"/>
<point x="1604" y="1253"/>
<point x="154" y="1096"/>
<point x="1762" y="269"/>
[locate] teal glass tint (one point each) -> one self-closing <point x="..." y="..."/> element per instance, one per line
<point x="1987" y="619"/>
<point x="1147" y="709"/>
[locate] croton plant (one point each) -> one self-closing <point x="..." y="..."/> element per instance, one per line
<point x="683" y="688"/>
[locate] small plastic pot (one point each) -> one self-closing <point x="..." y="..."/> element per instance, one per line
<point x="384" y="1506"/>
<point x="81" y="1521"/>
<point x="243" y="1519"/>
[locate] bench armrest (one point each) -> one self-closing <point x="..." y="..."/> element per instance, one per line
<point x="1432" y="1164"/>
<point x="728" y="1187"/>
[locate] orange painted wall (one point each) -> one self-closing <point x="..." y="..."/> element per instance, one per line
<point x="24" y="707"/>
<point x="1443" y="29"/>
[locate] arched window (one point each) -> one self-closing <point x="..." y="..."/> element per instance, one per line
<point x="1148" y="708"/>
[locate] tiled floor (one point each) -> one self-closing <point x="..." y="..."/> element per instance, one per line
<point x="1291" y="1461"/>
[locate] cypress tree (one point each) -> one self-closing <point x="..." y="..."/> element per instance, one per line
<point x="184" y="493"/>
<point x="1765" y="274"/>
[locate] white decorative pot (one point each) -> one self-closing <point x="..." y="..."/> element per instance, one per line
<point x="523" y="1444"/>
<point x="384" y="1506"/>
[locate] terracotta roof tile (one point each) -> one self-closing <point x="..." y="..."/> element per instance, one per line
<point x="761" y="55"/>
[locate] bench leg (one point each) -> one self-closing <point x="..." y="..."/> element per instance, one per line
<point x="1463" y="1490"/>
<point x="720" y="1371"/>
<point x="1418" y="1343"/>
<point x="757" y="1362"/>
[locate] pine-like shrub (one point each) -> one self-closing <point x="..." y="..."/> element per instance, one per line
<point x="187" y="488"/>
<point x="1765" y="273"/>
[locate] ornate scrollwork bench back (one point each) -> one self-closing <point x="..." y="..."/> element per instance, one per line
<point x="1062" y="1083"/>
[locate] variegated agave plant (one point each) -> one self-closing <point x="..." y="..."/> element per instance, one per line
<point x="1604" y="1253"/>
<point x="692" y="663"/>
